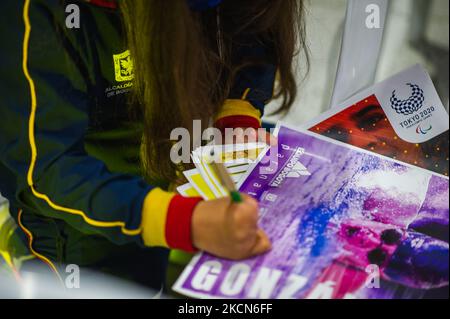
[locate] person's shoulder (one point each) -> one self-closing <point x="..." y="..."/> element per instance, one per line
<point x="34" y="12"/>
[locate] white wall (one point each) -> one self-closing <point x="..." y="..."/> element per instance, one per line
<point x="324" y="23"/>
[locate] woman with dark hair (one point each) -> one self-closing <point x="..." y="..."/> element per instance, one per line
<point x="84" y="148"/>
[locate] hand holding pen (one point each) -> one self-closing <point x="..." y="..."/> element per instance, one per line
<point x="229" y="229"/>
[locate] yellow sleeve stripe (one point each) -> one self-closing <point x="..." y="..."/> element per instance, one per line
<point x="154" y="217"/>
<point x="238" y="108"/>
<point x="245" y="95"/>
<point x="32" y="141"/>
<point x="35" y="253"/>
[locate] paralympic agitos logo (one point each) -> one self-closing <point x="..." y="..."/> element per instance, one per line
<point x="423" y="131"/>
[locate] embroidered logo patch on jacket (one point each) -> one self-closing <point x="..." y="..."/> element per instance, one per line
<point x="123" y="67"/>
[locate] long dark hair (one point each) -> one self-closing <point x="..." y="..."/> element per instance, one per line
<point x="181" y="74"/>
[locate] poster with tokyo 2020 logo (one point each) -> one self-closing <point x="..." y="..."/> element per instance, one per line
<point x="401" y="117"/>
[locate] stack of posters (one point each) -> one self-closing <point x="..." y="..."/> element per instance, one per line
<point x="356" y="205"/>
<point x="204" y="182"/>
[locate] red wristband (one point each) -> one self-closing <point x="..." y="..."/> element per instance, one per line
<point x="178" y="223"/>
<point x="238" y="121"/>
<point x="110" y="4"/>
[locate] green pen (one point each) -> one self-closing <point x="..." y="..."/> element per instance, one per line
<point x="226" y="181"/>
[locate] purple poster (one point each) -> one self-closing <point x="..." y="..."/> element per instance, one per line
<point x="344" y="223"/>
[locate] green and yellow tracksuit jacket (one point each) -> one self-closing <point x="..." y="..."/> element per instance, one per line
<point x="69" y="151"/>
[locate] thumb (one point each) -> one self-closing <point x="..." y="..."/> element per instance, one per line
<point x="262" y="244"/>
